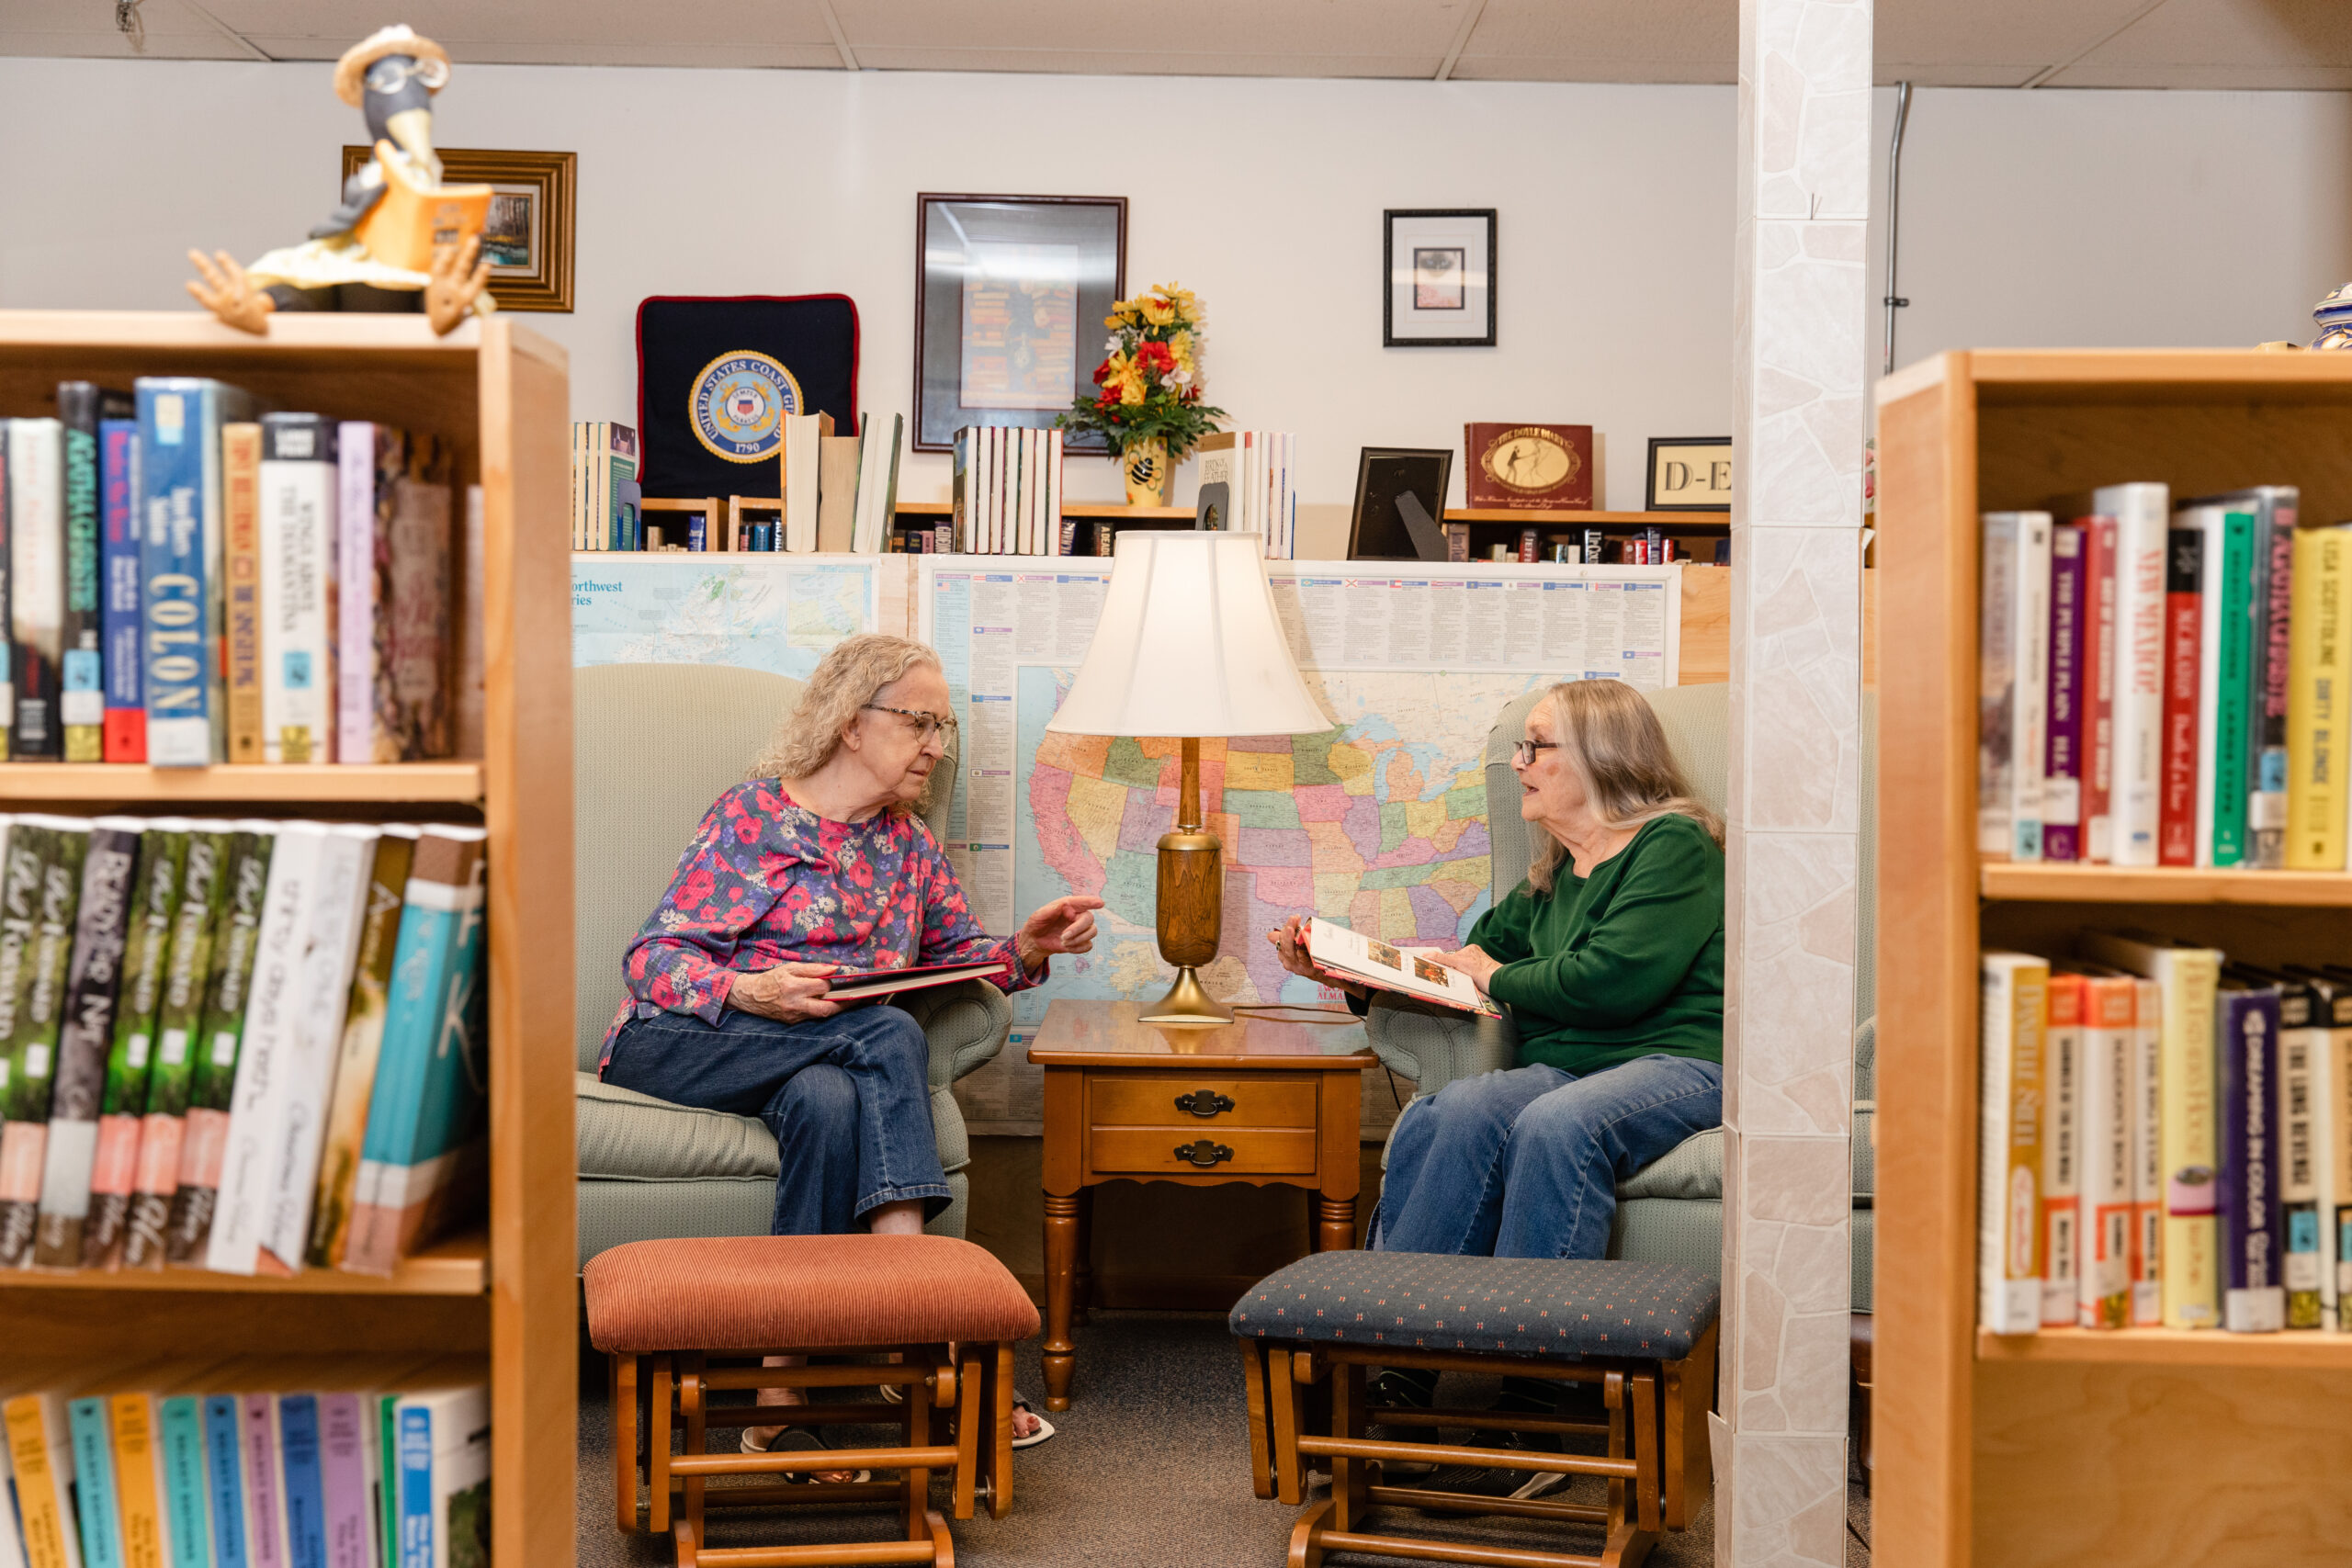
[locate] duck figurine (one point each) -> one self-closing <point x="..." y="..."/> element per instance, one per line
<point x="401" y="241"/>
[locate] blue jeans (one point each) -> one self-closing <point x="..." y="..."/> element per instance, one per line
<point x="847" y="1097"/>
<point x="1524" y="1163"/>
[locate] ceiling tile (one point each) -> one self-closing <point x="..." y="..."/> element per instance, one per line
<point x="2008" y="40"/>
<point x="1340" y="29"/>
<point x="2214" y="78"/>
<point x="1702" y="33"/>
<point x="1155" y="63"/>
<point x="737" y="56"/>
<point x="1586" y="68"/>
<point x="175" y="31"/>
<point x="2201" y="34"/>
<point x="547" y="27"/>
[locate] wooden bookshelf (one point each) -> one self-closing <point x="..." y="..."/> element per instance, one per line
<point x="2138" y="1446"/>
<point x="1615" y="521"/>
<point x="499" y="393"/>
<point x="1082" y="511"/>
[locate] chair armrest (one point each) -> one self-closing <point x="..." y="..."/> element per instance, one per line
<point x="1434" y="1048"/>
<point x="965" y="1023"/>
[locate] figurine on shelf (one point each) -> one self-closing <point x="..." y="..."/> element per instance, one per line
<point x="402" y="241"/>
<point x="2334" y="315"/>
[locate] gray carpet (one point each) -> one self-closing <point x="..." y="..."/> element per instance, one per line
<point x="1149" y="1468"/>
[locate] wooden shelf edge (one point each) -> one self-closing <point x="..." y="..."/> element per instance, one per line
<point x="1592" y="519"/>
<point x="2164" y="884"/>
<point x="170" y="330"/>
<point x="2171" y="1346"/>
<point x="1081" y="511"/>
<point x="456" y="1267"/>
<point x="286" y="784"/>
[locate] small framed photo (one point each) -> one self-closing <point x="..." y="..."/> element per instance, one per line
<point x="1010" y="295"/>
<point x="1689" y="473"/>
<point x="1378" y="528"/>
<point x="1437" y="273"/>
<point x="526" y="237"/>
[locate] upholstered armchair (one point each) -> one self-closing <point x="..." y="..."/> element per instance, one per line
<point x="654" y="745"/>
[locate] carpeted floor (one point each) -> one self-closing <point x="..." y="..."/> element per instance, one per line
<point x="1149" y="1468"/>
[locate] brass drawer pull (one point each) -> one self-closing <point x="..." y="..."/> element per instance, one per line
<point x="1203" y="1153"/>
<point x="1202" y="1104"/>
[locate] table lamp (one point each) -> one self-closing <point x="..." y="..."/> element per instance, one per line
<point x="1189" y="646"/>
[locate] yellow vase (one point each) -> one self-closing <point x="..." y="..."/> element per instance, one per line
<point x="1149" y="473"/>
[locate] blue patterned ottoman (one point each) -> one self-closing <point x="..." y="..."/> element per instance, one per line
<point x="1644" y="1332"/>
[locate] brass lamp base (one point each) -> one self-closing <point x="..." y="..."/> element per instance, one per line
<point x="1191" y="904"/>
<point x="1186" y="1002"/>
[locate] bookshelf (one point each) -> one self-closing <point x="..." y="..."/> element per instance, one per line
<point x="500" y="394"/>
<point x="2142" y="1444"/>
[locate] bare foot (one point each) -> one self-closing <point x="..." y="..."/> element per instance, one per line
<point x="762" y="1437"/>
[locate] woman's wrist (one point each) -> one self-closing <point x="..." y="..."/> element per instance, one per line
<point x="1031" y="956"/>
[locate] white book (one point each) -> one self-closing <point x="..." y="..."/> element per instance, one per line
<point x="992" y="489"/>
<point x="2302" y="1054"/>
<point x="1025" y="493"/>
<point x="1054" y="449"/>
<point x="2332" y="1137"/>
<point x="2013" y="677"/>
<point x="37" y="566"/>
<point x="442" y="1466"/>
<point x="299" y="486"/>
<point x="273" y="1014"/>
<point x="338" y="905"/>
<point x="803" y="453"/>
<point x="2061" y="1151"/>
<point x="2011" y="1128"/>
<point x="2142" y="514"/>
<point x="873" y="529"/>
<point x="2103" y="1253"/>
<point x="2147" y="1154"/>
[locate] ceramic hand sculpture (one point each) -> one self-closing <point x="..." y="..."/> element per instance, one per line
<point x="402" y="241"/>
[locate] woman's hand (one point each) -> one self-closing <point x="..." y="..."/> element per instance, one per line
<point x="1066" y="925"/>
<point x="1290" y="946"/>
<point x="1473" y="962"/>
<point x="789" y="993"/>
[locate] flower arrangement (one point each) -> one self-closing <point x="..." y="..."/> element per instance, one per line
<point x="1150" y="378"/>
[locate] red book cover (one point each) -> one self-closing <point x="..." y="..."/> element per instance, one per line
<point x="2177" y="803"/>
<point x="1529" y="467"/>
<point x="2098" y="688"/>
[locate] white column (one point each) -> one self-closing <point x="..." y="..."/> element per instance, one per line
<point x="1798" y="325"/>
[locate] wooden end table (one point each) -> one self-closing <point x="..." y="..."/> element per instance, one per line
<point x="1263" y="1100"/>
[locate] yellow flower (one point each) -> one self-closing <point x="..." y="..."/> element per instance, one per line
<point x="1181" y="346"/>
<point x="1120" y="375"/>
<point x="1188" y="309"/>
<point x="1157" y="312"/>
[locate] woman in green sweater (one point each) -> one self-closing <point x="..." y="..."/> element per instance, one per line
<point x="1609" y="958"/>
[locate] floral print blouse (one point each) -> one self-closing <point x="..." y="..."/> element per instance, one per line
<point x="767" y="881"/>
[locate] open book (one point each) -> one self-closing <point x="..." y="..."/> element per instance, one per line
<point x="868" y="984"/>
<point x="1371" y="962"/>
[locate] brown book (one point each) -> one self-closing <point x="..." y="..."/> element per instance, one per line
<point x="241" y="493"/>
<point x="1457" y="541"/>
<point x="836" y="492"/>
<point x="1529" y="467"/>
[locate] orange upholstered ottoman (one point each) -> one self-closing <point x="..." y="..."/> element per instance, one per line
<point x="681" y="1318"/>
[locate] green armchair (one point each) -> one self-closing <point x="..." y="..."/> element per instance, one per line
<point x="654" y="745"/>
<point x="1670" y="1211"/>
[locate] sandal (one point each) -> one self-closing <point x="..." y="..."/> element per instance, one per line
<point x="1045" y="1427"/>
<point x="799" y="1440"/>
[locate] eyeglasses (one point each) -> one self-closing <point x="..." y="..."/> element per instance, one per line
<point x="924" y="723"/>
<point x="1523" y="754"/>
<point x="389" y="74"/>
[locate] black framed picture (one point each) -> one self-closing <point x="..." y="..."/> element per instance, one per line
<point x="1378" y="530"/>
<point x="1437" y="272"/>
<point x="1689" y="473"/>
<point x="1010" y="295"/>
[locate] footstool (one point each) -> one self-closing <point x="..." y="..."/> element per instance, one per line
<point x="1644" y="1332"/>
<point x="684" y="1318"/>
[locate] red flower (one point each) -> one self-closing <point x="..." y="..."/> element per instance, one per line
<point x="1155" y="357"/>
<point x="1101" y="370"/>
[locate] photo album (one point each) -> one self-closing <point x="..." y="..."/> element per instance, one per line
<point x="1411" y="970"/>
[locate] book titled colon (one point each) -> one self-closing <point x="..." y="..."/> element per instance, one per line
<point x="1529" y="467"/>
<point x="2011" y="1126"/>
<point x="35" y="479"/>
<point x="1407" y="970"/>
<point x="49" y="859"/>
<point x="2254" y="1300"/>
<point x="182" y="597"/>
<point x="84" y="410"/>
<point x="297" y="549"/>
<point x="2012" y="685"/>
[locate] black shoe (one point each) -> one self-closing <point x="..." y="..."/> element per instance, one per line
<point x="1481" y="1481"/>
<point x="1413" y="1390"/>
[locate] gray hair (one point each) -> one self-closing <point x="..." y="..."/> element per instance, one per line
<point x="845" y="679"/>
<point x="1611" y="735"/>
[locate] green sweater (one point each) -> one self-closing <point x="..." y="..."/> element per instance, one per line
<point x="1625" y="963"/>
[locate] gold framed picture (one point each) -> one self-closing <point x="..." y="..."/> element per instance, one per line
<point x="1690" y="473"/>
<point x="528" y="232"/>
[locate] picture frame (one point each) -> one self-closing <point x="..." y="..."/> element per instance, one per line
<point x="1009" y="295"/>
<point x="528" y="236"/>
<point x="1376" y="530"/>
<point x="1437" y="278"/>
<point x="1689" y="473"/>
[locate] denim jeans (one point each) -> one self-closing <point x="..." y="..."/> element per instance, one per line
<point x="847" y="1097"/>
<point x="1525" y="1162"/>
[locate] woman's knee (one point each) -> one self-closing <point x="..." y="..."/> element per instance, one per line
<point x="818" y="1098"/>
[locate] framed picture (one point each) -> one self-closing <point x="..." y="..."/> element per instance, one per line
<point x="1010" y="295"/>
<point x="1437" y="271"/>
<point x="1689" y="473"/>
<point x="1378" y="530"/>
<point x="526" y="237"/>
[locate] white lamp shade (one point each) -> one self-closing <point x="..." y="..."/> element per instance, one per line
<point x="1189" y="645"/>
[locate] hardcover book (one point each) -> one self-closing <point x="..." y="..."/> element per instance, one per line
<point x="37" y="584"/>
<point x="2225" y="681"/>
<point x="2098" y="689"/>
<point x="241" y="492"/>
<point x="1529" y="467"/>
<point x="124" y="736"/>
<point x="182" y="558"/>
<point x="2319" y="698"/>
<point x="2011" y="1128"/>
<point x="2184" y="686"/>
<point x="85" y="411"/>
<point x="297" y="550"/>
<point x="2142" y="513"/>
<point x="2012" y="685"/>
<point x="2247" y="1043"/>
<point x="2062" y="779"/>
<point x="2274" y="510"/>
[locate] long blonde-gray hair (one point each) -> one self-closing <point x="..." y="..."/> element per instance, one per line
<point x="1609" y="733"/>
<point x="845" y="679"/>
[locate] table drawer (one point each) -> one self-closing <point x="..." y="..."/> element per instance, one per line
<point x="1154" y="1151"/>
<point x="1257" y="1100"/>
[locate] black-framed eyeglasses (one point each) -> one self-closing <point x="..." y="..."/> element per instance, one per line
<point x="1523" y="754"/>
<point x="924" y="723"/>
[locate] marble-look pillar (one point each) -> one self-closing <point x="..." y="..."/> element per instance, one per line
<point x="1798" y="325"/>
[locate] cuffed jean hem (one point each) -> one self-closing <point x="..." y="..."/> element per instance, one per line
<point x="936" y="1197"/>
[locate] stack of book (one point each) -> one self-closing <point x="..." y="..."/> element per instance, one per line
<point x="187" y="586"/>
<point x="320" y="1463"/>
<point x="1007" y="492"/>
<point x="2166" y="1138"/>
<point x="2166" y="683"/>
<point x="1258" y="471"/>
<point x="834" y="493"/>
<point x="247" y="1047"/>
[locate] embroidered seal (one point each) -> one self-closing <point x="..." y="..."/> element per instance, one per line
<point x="738" y="405"/>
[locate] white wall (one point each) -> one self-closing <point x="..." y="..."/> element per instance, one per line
<point x="2032" y="218"/>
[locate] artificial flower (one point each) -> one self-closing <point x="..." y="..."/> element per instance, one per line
<point x="1159" y="312"/>
<point x="1181" y="346"/>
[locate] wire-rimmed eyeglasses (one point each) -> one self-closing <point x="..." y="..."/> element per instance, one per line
<point x="1523" y="754"/>
<point x="924" y="723"/>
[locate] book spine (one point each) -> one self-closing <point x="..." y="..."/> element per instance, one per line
<point x="179" y="1017"/>
<point x="81" y="695"/>
<point x="39" y="1015"/>
<point x="85" y="1039"/>
<point x="412" y="704"/>
<point x="225" y="1482"/>
<point x="2335" y="1166"/>
<point x="180" y="1480"/>
<point x="2062" y="793"/>
<point x="43" y="1476"/>
<point x="180" y="675"/>
<point x="2136" y="798"/>
<point x="297" y="553"/>
<point x="2190" y="1266"/>
<point x="355" y="458"/>
<point x="342" y="1471"/>
<point x="959" y="492"/>
<point x="362" y="1044"/>
<point x="154" y="903"/>
<point x="2061" y="1150"/>
<point x="2099" y="690"/>
<point x="417" y="1521"/>
<point x="2247" y="1190"/>
<point x="241" y="568"/>
<point x="2319" y="698"/>
<point x="297" y="1435"/>
<point x="125" y="736"/>
<point x="100" y="1516"/>
<point x="2266" y="804"/>
<point x="1998" y="743"/>
<point x="2302" y="1046"/>
<point x="215" y="1049"/>
<point x="2184" y="682"/>
<point x="144" y="1538"/>
<point x="2103" y="1268"/>
<point x="257" y="1434"/>
<point x="2230" y="672"/>
<point x="36" y="583"/>
<point x="2009" y="1144"/>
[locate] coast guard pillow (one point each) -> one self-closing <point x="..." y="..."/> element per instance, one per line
<point x="715" y="376"/>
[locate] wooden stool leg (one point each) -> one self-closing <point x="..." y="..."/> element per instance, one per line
<point x="1253" y="1382"/>
<point x="914" y="1483"/>
<point x="625" y="1427"/>
<point x="1614" y="1395"/>
<point x="971" y="1381"/>
<point x="656" y="1461"/>
<point x="688" y="1544"/>
<point x="690" y="1405"/>
<point x="1348" y="1477"/>
<point x="1282" y="1397"/>
<point x="1642" y="1389"/>
<point x="1001" y="1433"/>
<point x="1060" y="1354"/>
